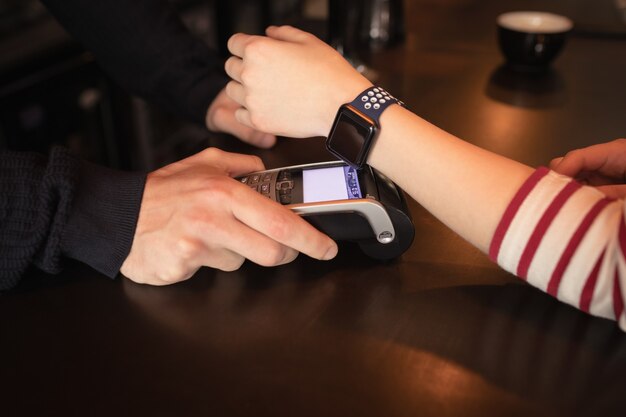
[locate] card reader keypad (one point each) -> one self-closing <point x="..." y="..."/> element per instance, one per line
<point x="284" y="187"/>
<point x="263" y="183"/>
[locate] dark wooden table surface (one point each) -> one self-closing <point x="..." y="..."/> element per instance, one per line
<point x="439" y="332"/>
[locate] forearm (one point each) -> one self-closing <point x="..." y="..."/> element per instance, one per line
<point x="144" y="46"/>
<point x="563" y="238"/>
<point x="547" y="229"/>
<point x="444" y="173"/>
<point x="440" y="171"/>
<point x="101" y="223"/>
<point x="60" y="207"/>
<point x="35" y="199"/>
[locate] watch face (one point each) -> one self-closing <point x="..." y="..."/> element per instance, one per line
<point x="350" y="136"/>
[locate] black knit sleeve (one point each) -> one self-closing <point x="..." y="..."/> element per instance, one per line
<point x="146" y="48"/>
<point x="35" y="198"/>
<point x="57" y="207"/>
<point x="103" y="217"/>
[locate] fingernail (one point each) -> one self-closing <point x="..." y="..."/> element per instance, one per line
<point x="331" y="253"/>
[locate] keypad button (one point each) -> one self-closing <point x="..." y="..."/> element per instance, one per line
<point x="284" y="185"/>
<point x="267" y="177"/>
<point x="265" y="188"/>
<point x="244" y="180"/>
<point x="254" y="179"/>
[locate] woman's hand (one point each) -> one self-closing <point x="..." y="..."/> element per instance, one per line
<point x="265" y="71"/>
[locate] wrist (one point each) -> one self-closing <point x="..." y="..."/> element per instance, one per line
<point x="340" y="96"/>
<point x="101" y="225"/>
<point x="357" y="125"/>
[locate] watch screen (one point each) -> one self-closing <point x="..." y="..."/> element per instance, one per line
<point x="349" y="135"/>
<point x="328" y="184"/>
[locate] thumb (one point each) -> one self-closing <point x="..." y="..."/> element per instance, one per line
<point x="234" y="164"/>
<point x="238" y="164"/>
<point x="555" y="163"/>
<point x="613" y="191"/>
<point x="570" y="165"/>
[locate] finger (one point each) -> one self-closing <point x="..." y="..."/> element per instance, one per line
<point x="192" y="254"/>
<point x="236" y="92"/>
<point x="555" y="163"/>
<point x="245" y="241"/>
<point x="237" y="43"/>
<point x="224" y="260"/>
<point x="243" y="116"/>
<point x="259" y="248"/>
<point x="234" y="164"/>
<point x="228" y="123"/>
<point x="287" y="33"/>
<point x="282" y="225"/>
<point x="173" y="265"/>
<point x="576" y="162"/>
<point x="257" y="138"/>
<point x="233" y="67"/>
<point x="613" y="191"/>
<point x="572" y="164"/>
<point x="606" y="158"/>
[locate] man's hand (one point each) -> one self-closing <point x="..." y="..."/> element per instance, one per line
<point x="220" y="117"/>
<point x="194" y="214"/>
<point x="602" y="166"/>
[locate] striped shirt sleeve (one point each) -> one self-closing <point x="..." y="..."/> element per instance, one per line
<point x="568" y="240"/>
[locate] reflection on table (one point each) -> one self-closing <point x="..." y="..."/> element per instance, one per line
<point x="440" y="331"/>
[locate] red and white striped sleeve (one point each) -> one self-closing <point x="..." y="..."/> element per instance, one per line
<point x="568" y="240"/>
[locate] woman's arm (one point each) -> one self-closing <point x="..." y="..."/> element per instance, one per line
<point x="292" y="84"/>
<point x="466" y="187"/>
<point x="563" y="238"/>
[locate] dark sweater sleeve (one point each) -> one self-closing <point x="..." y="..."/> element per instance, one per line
<point x="57" y="207"/>
<point x="103" y="217"/>
<point x="144" y="46"/>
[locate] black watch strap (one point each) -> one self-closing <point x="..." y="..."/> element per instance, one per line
<point x="373" y="102"/>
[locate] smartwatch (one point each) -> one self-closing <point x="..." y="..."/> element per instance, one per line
<point x="356" y="126"/>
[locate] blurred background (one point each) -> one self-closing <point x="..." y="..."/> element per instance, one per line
<point x="53" y="92"/>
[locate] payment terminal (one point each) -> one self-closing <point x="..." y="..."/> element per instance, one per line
<point x="361" y="206"/>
